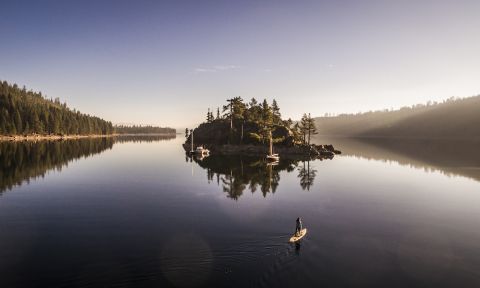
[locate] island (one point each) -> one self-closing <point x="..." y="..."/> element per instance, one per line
<point x="256" y="129"/>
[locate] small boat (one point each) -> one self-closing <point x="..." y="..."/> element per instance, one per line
<point x="272" y="156"/>
<point x="200" y="157"/>
<point x="202" y="151"/>
<point x="273" y="162"/>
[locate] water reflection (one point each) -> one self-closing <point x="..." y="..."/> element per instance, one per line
<point x="235" y="174"/>
<point x="306" y="175"/>
<point x="132" y="217"/>
<point x="143" y="138"/>
<point x="451" y="157"/>
<point x="26" y="160"/>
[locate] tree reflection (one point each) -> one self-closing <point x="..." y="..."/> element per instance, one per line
<point x="306" y="175"/>
<point x="25" y="160"/>
<point x="236" y="174"/>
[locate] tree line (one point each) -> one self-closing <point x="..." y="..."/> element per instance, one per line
<point x="25" y="112"/>
<point x="139" y="129"/>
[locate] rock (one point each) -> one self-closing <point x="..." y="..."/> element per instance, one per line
<point x="329" y="147"/>
<point x="327" y="153"/>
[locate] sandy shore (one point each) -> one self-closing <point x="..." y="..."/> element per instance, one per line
<point x="49" y="137"/>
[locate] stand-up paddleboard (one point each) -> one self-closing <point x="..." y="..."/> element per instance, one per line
<point x="302" y="233"/>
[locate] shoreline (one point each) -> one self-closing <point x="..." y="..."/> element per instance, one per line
<point x="51" y="137"/>
<point x="19" y="138"/>
<point x="261" y="150"/>
<point x="68" y="137"/>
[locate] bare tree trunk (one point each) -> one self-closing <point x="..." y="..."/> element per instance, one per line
<point x="231" y="116"/>
<point x="271" y="144"/>
<point x="191" y="133"/>
<point x="309" y="128"/>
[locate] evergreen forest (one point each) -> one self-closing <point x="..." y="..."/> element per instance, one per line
<point x="24" y="112"/>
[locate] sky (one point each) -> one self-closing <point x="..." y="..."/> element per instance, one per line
<point x="166" y="62"/>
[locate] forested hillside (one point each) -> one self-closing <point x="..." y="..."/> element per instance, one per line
<point x="25" y="112"/>
<point x="451" y="119"/>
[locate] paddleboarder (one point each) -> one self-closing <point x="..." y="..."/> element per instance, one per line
<point x="298" y="226"/>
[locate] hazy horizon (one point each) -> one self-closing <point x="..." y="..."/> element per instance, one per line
<point x="164" y="63"/>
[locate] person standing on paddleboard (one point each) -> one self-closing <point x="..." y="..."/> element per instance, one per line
<point x="299" y="226"/>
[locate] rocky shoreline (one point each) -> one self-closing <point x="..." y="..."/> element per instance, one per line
<point x="310" y="151"/>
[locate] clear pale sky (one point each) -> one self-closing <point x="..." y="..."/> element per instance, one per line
<point x="166" y="62"/>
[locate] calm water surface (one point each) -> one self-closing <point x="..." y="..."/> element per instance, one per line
<point x="139" y="213"/>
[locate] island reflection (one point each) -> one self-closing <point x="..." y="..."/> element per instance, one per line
<point x="22" y="161"/>
<point x="235" y="174"/>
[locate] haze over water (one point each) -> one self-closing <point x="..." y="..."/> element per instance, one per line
<point x="141" y="213"/>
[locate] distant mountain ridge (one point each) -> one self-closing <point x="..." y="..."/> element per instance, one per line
<point x="451" y="119"/>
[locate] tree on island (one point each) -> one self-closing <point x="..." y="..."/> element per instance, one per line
<point x="209" y="116"/>
<point x="234" y="109"/>
<point x="276" y="116"/>
<point x="307" y="128"/>
<point x="267" y="121"/>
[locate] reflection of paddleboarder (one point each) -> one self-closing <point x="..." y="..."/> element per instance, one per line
<point x="298" y="227"/>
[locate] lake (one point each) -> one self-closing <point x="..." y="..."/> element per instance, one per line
<point x="137" y="212"/>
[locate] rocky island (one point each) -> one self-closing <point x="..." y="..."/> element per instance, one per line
<point x="248" y="129"/>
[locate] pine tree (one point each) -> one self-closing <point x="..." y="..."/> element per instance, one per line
<point x="277" y="117"/>
<point x="229" y="109"/>
<point x="267" y="120"/>
<point x="312" y="129"/>
<point x="307" y="127"/>
<point x="235" y="109"/>
<point x="297" y="132"/>
<point x="304" y="127"/>
<point x="3" y="120"/>
<point x="209" y="116"/>
<point x="18" y="122"/>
